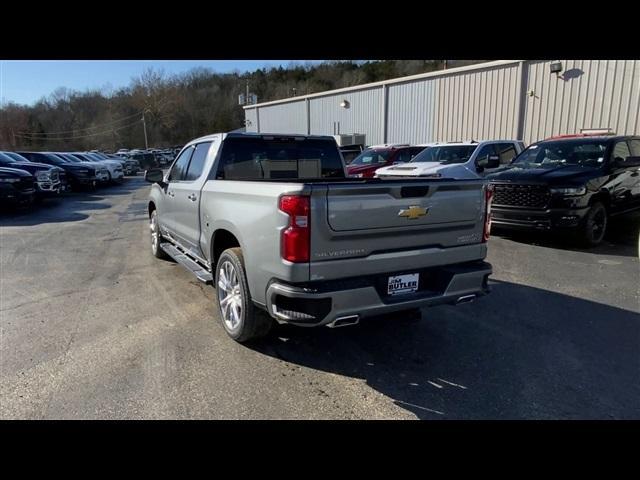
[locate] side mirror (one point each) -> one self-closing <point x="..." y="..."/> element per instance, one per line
<point x="493" y="161"/>
<point x="154" y="175"/>
<point x="627" y="162"/>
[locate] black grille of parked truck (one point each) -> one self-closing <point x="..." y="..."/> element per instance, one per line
<point x="569" y="185"/>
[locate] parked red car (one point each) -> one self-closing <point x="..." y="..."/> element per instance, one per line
<point x="378" y="156"/>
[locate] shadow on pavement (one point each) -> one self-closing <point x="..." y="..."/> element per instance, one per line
<point x="68" y="207"/>
<point x="621" y="238"/>
<point x="520" y="352"/>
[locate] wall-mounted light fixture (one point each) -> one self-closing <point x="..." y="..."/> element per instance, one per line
<point x="345" y="104"/>
<point x="555" y="67"/>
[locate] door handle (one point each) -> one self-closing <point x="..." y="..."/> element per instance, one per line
<point x="171" y="194"/>
<point x="192" y="197"/>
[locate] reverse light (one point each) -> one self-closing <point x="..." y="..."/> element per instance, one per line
<point x="488" y="199"/>
<point x="295" y="239"/>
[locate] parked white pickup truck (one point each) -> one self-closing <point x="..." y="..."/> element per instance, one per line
<point x="456" y="160"/>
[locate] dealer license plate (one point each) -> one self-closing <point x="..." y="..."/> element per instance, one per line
<point x="403" y="284"/>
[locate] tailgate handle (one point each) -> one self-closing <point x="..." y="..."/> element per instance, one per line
<point x="417" y="191"/>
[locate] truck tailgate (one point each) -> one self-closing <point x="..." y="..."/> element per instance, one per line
<point x="395" y="225"/>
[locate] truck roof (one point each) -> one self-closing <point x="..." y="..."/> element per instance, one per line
<point x="213" y="136"/>
<point x="468" y="143"/>
<point x="390" y="145"/>
<point x="582" y="137"/>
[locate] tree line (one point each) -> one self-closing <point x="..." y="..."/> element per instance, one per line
<point x="180" y="107"/>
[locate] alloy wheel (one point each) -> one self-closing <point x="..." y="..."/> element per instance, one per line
<point x="153" y="226"/>
<point x="229" y="295"/>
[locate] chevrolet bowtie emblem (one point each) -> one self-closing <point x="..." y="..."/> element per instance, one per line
<point x="413" y="212"/>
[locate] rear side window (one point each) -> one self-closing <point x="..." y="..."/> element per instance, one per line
<point x="485" y="151"/>
<point x="179" y="168"/>
<point x="634" y="145"/>
<point x="507" y="152"/>
<point x="621" y="150"/>
<point x="247" y="158"/>
<point x="198" y="160"/>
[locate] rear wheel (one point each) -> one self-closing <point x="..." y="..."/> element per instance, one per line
<point x="240" y="318"/>
<point x="594" y="225"/>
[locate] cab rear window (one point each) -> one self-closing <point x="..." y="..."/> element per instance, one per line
<point x="273" y="158"/>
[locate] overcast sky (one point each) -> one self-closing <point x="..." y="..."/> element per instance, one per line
<point x="25" y="82"/>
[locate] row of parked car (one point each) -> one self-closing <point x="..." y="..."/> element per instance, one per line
<point x="152" y="157"/>
<point x="567" y="182"/>
<point x="26" y="177"/>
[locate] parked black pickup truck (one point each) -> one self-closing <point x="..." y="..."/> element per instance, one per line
<point x="16" y="186"/>
<point x="569" y="184"/>
<point x="47" y="177"/>
<point x="78" y="175"/>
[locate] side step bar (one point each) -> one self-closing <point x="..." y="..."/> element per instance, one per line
<point x="187" y="262"/>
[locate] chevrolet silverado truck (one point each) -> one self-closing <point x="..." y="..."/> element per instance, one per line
<point x="275" y="224"/>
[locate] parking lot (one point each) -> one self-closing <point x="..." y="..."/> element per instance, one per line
<point x="92" y="326"/>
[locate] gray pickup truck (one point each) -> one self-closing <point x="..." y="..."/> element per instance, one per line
<point x="281" y="232"/>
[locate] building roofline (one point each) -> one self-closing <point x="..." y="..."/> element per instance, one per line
<point x="410" y="78"/>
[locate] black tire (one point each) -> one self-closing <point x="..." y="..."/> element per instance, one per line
<point x="252" y="323"/>
<point x="155" y="246"/>
<point x="594" y="226"/>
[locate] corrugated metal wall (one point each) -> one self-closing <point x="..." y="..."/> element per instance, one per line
<point x="364" y="114"/>
<point x="587" y="94"/>
<point x="284" y="118"/>
<point x="411" y="112"/>
<point x="482" y="102"/>
<point x="478" y="105"/>
<point x="251" y="119"/>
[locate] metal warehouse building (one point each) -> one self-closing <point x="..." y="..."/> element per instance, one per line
<point x="524" y="99"/>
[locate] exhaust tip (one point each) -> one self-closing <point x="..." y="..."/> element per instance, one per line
<point x="344" y="321"/>
<point x="465" y="299"/>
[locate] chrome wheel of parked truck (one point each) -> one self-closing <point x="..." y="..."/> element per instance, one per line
<point x="229" y="295"/>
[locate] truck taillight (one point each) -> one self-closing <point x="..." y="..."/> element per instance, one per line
<point x="295" y="239"/>
<point x="488" y="198"/>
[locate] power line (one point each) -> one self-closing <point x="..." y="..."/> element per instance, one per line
<point x="83" y="129"/>
<point x="111" y="130"/>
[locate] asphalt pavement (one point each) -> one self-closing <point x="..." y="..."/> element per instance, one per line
<point x="92" y="326"/>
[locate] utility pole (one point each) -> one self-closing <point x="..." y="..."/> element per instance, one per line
<point x="144" y="126"/>
<point x="247" y="98"/>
